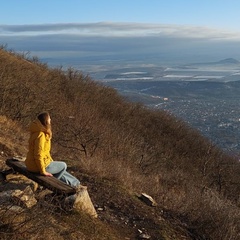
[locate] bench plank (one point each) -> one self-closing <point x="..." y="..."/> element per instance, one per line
<point x="52" y="183"/>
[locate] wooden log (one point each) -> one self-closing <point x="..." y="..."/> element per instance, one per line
<point x="52" y="183"/>
<point x="4" y="173"/>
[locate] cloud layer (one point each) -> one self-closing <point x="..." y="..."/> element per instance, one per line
<point x="124" y="40"/>
<point x="119" y="30"/>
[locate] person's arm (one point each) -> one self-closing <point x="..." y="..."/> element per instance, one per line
<point x="39" y="154"/>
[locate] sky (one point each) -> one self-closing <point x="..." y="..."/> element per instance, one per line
<point x="186" y="30"/>
<point x="211" y="13"/>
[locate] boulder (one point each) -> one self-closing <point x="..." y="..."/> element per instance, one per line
<point x="24" y="198"/>
<point x="81" y="202"/>
<point x="22" y="181"/>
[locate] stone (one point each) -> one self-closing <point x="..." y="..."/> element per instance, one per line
<point x="22" y="180"/>
<point x="24" y="198"/>
<point x="143" y="235"/>
<point x="82" y="202"/>
<point x="148" y="200"/>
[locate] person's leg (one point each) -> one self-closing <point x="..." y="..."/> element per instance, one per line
<point x="57" y="168"/>
<point x="70" y="179"/>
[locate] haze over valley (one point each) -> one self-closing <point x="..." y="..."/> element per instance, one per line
<point x="205" y="95"/>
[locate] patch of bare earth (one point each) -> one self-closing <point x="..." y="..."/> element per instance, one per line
<point x="130" y="216"/>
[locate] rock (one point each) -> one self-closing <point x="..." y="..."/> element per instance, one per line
<point x="5" y="197"/>
<point x="82" y="202"/>
<point x="43" y="194"/>
<point x="24" y="198"/>
<point x="143" y="235"/>
<point x="10" y="212"/>
<point x="22" y="180"/>
<point x="11" y="209"/>
<point x="12" y="215"/>
<point x="148" y="200"/>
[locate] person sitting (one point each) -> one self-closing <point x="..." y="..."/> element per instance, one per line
<point x="39" y="159"/>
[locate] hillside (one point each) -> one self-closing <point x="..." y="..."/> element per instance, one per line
<point x="118" y="149"/>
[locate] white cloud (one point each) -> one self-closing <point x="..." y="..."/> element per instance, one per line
<point x="108" y="29"/>
<point x="122" y="41"/>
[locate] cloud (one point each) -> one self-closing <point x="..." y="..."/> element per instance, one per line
<point x="121" y="40"/>
<point x="118" y="30"/>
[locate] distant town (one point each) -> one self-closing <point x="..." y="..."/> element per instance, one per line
<point x="206" y="96"/>
<point x="218" y="120"/>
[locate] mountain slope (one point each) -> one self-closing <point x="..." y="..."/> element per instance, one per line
<point x="118" y="149"/>
<point x="121" y="213"/>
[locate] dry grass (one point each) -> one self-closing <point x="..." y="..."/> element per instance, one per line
<point x="96" y="131"/>
<point x="13" y="139"/>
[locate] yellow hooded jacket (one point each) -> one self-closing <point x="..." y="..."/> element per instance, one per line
<point x="38" y="157"/>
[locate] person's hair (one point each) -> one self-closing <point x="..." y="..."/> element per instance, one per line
<point x="43" y="118"/>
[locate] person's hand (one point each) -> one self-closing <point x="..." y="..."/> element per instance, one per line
<point x="47" y="174"/>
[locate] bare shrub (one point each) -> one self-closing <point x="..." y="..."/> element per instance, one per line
<point x="98" y="131"/>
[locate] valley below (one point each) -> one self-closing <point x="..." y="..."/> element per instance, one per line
<point x="205" y="96"/>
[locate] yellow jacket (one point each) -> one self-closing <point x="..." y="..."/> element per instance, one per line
<point x="38" y="157"/>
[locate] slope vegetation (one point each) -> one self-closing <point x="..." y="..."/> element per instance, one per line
<point x="118" y="149"/>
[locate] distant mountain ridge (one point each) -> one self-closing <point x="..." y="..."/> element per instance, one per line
<point x="226" y="61"/>
<point x="229" y="61"/>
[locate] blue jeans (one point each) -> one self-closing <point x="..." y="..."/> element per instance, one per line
<point x="59" y="170"/>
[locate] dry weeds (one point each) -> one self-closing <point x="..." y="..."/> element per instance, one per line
<point x="96" y="131"/>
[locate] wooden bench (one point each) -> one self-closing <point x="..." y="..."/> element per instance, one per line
<point x="52" y="183"/>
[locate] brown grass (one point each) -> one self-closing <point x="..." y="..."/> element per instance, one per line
<point x="96" y="131"/>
